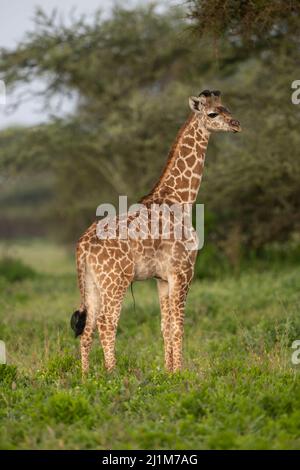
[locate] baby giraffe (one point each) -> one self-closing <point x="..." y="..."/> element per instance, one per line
<point x="107" y="265"/>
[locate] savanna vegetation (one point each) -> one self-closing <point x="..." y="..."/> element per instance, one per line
<point x="129" y="78"/>
<point x="239" y="390"/>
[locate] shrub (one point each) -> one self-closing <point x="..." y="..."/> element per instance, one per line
<point x="13" y="270"/>
<point x="64" y="408"/>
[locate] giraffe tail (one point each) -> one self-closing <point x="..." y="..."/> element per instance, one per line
<point x="78" y="321"/>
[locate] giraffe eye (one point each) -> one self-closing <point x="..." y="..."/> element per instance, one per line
<point x="213" y="115"/>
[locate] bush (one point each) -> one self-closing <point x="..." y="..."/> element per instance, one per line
<point x="13" y="270"/>
<point x="64" y="408"/>
<point x="211" y="263"/>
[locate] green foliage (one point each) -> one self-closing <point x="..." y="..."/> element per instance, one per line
<point x="215" y="262"/>
<point x="239" y="389"/>
<point x="67" y="409"/>
<point x="13" y="270"/>
<point x="211" y="263"/>
<point x="7" y="374"/>
<point x="58" y="366"/>
<point x="258" y="22"/>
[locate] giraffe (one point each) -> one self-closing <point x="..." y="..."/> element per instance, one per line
<point x="106" y="267"/>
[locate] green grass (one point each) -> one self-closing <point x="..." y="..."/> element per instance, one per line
<point x="239" y="389"/>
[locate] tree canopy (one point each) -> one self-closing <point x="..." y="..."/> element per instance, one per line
<point x="132" y="75"/>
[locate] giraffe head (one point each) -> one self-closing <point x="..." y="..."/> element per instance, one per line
<point x="213" y="115"/>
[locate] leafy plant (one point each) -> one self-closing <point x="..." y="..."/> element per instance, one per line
<point x="14" y="270"/>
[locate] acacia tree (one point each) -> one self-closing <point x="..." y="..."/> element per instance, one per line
<point x="128" y="74"/>
<point x="132" y="75"/>
<point x="254" y="188"/>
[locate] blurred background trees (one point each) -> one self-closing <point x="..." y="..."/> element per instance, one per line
<point x="131" y="75"/>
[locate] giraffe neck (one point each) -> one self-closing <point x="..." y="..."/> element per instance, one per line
<point x="182" y="175"/>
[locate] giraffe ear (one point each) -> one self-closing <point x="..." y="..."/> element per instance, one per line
<point x="196" y="103"/>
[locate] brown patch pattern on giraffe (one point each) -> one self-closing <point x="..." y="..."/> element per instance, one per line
<point x="107" y="267"/>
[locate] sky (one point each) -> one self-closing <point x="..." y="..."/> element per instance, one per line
<point x="15" y="19"/>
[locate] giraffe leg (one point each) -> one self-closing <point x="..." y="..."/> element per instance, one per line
<point x="177" y="295"/>
<point x="81" y="273"/>
<point x="107" y="322"/>
<point x="92" y="308"/>
<point x="163" y="292"/>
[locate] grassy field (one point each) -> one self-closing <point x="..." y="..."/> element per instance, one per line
<point x="239" y="389"/>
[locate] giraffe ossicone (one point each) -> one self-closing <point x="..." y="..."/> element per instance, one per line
<point x="107" y="266"/>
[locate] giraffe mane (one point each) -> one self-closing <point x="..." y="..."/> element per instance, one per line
<point x="170" y="159"/>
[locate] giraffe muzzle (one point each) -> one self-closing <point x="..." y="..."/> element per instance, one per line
<point x="235" y="125"/>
